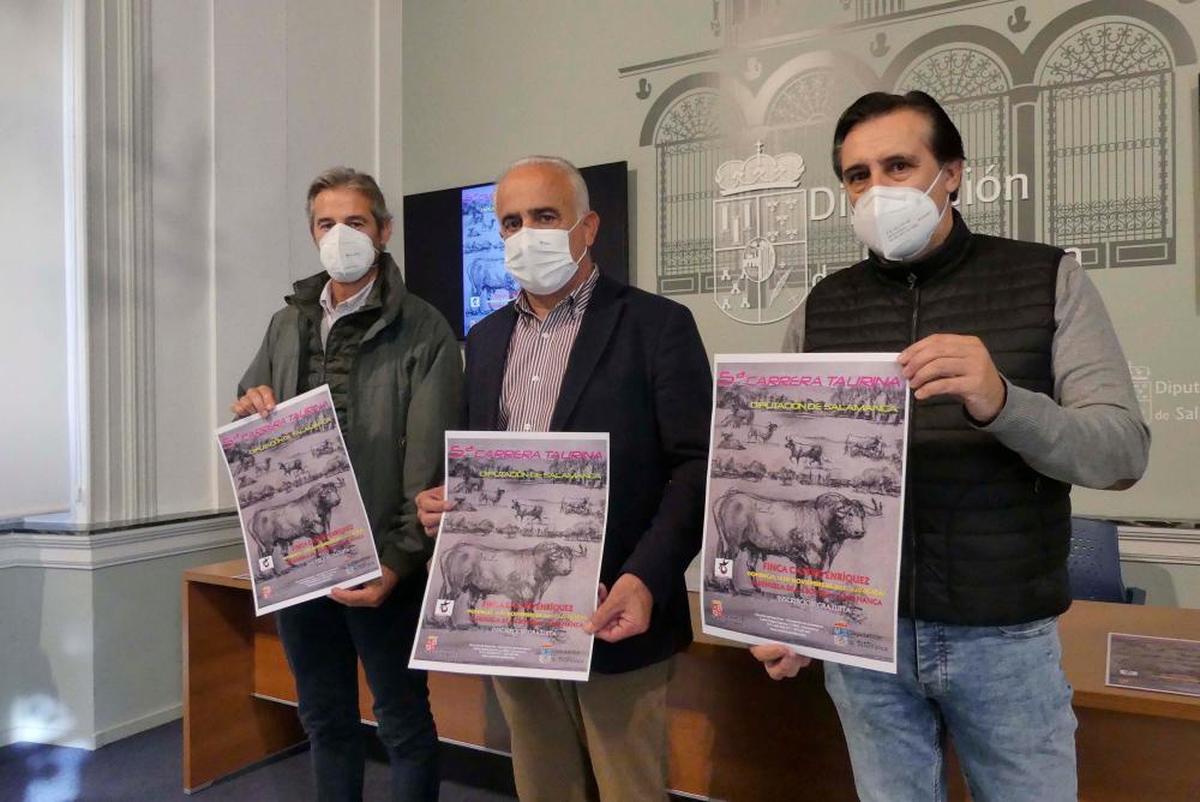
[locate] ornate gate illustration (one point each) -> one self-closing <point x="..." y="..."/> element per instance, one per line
<point x="973" y="89"/>
<point x="1108" y="111"/>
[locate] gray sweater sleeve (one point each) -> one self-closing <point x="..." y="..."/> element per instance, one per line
<point x="1091" y="433"/>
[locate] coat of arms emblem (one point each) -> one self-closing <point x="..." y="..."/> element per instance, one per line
<point x="760" y="237"/>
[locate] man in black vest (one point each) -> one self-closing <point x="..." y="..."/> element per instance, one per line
<point x="1020" y="391"/>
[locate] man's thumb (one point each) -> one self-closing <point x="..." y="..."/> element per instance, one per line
<point x="603" y="616"/>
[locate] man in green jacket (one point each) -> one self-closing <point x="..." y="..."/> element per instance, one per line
<point x="395" y="373"/>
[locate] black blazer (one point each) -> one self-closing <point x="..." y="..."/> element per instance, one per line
<point x="638" y="371"/>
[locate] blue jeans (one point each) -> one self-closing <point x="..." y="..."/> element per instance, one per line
<point x="322" y="639"/>
<point x="998" y="692"/>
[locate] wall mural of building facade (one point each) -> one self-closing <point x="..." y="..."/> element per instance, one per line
<point x="1068" y="117"/>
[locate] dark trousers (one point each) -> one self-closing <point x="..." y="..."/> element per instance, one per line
<point x="322" y="639"/>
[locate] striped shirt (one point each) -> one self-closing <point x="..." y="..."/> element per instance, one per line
<point x="537" y="359"/>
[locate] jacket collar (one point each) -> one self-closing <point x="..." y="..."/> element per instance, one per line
<point x="387" y="295"/>
<point x="946" y="257"/>
<point x="599" y="321"/>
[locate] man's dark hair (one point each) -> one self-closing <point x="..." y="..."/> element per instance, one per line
<point x="946" y="144"/>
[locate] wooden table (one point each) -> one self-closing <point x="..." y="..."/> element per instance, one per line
<point x="734" y="734"/>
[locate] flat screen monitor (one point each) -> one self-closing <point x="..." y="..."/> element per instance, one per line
<point x="454" y="257"/>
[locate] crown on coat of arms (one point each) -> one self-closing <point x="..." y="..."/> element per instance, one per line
<point x="760" y="171"/>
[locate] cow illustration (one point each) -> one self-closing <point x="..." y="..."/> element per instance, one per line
<point x="580" y="506"/>
<point x="815" y="454"/>
<point x="471" y="482"/>
<point x="292" y="466"/>
<point x="326" y="446"/>
<point x="336" y="465"/>
<point x="810" y="533"/>
<point x="522" y="575"/>
<point x="492" y="498"/>
<point x="531" y="511"/>
<point x="880" y="480"/>
<point x="487" y="276"/>
<point x="245" y="463"/>
<point x="864" y="446"/>
<point x="730" y="443"/>
<point x="739" y="417"/>
<point x="306" y="516"/>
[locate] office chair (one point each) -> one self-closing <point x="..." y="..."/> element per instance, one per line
<point x="1094" y="565"/>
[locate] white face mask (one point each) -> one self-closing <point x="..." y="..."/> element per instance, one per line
<point x="347" y="253"/>
<point x="540" y="258"/>
<point x="897" y="222"/>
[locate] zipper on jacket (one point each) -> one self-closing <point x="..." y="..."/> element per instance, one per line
<point x="912" y="528"/>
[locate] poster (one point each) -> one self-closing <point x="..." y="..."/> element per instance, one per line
<point x="514" y="575"/>
<point x="1144" y="663"/>
<point x="804" y="507"/>
<point x="303" y="521"/>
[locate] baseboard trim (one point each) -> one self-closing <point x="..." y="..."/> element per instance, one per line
<point x="26" y="734"/>
<point x="139" y="724"/>
<point x="92" y="552"/>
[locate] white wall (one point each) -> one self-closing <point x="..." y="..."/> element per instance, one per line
<point x="485" y="85"/>
<point x="181" y="46"/>
<point x="565" y="77"/>
<point x="248" y="102"/>
<point x="294" y="92"/>
<point x="34" y="461"/>
<point x="91" y="629"/>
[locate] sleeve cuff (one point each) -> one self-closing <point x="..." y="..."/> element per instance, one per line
<point x="404" y="564"/>
<point x="650" y="579"/>
<point x="1018" y="421"/>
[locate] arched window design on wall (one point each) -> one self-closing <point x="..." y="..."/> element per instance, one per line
<point x="1108" y="117"/>
<point x="800" y="118"/>
<point x="973" y="88"/>
<point x="689" y="149"/>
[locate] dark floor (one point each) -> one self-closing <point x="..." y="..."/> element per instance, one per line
<point x="148" y="767"/>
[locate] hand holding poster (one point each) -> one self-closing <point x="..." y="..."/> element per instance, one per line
<point x="514" y="575"/>
<point x="303" y="521"/>
<point x="804" y="509"/>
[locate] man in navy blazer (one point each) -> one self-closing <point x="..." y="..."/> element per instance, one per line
<point x="578" y="351"/>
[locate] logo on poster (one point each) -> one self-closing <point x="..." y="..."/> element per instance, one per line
<point x="547" y="654"/>
<point x="723" y="568"/>
<point x="266" y="591"/>
<point x="444" y="608"/>
<point x="266" y="563"/>
<point x="841" y="633"/>
<point x="431" y="643"/>
<point x="718" y="609"/>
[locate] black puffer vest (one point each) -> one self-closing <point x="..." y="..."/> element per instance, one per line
<point x="986" y="536"/>
<point x="331" y="364"/>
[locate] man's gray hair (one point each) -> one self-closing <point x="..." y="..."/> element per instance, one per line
<point x="349" y="178"/>
<point x="578" y="185"/>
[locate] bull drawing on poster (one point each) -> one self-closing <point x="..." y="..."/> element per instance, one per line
<point x="276" y="527"/>
<point x="521" y="575"/>
<point x="802" y="526"/>
<point x="515" y="572"/>
<point x="809" y="533"/>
